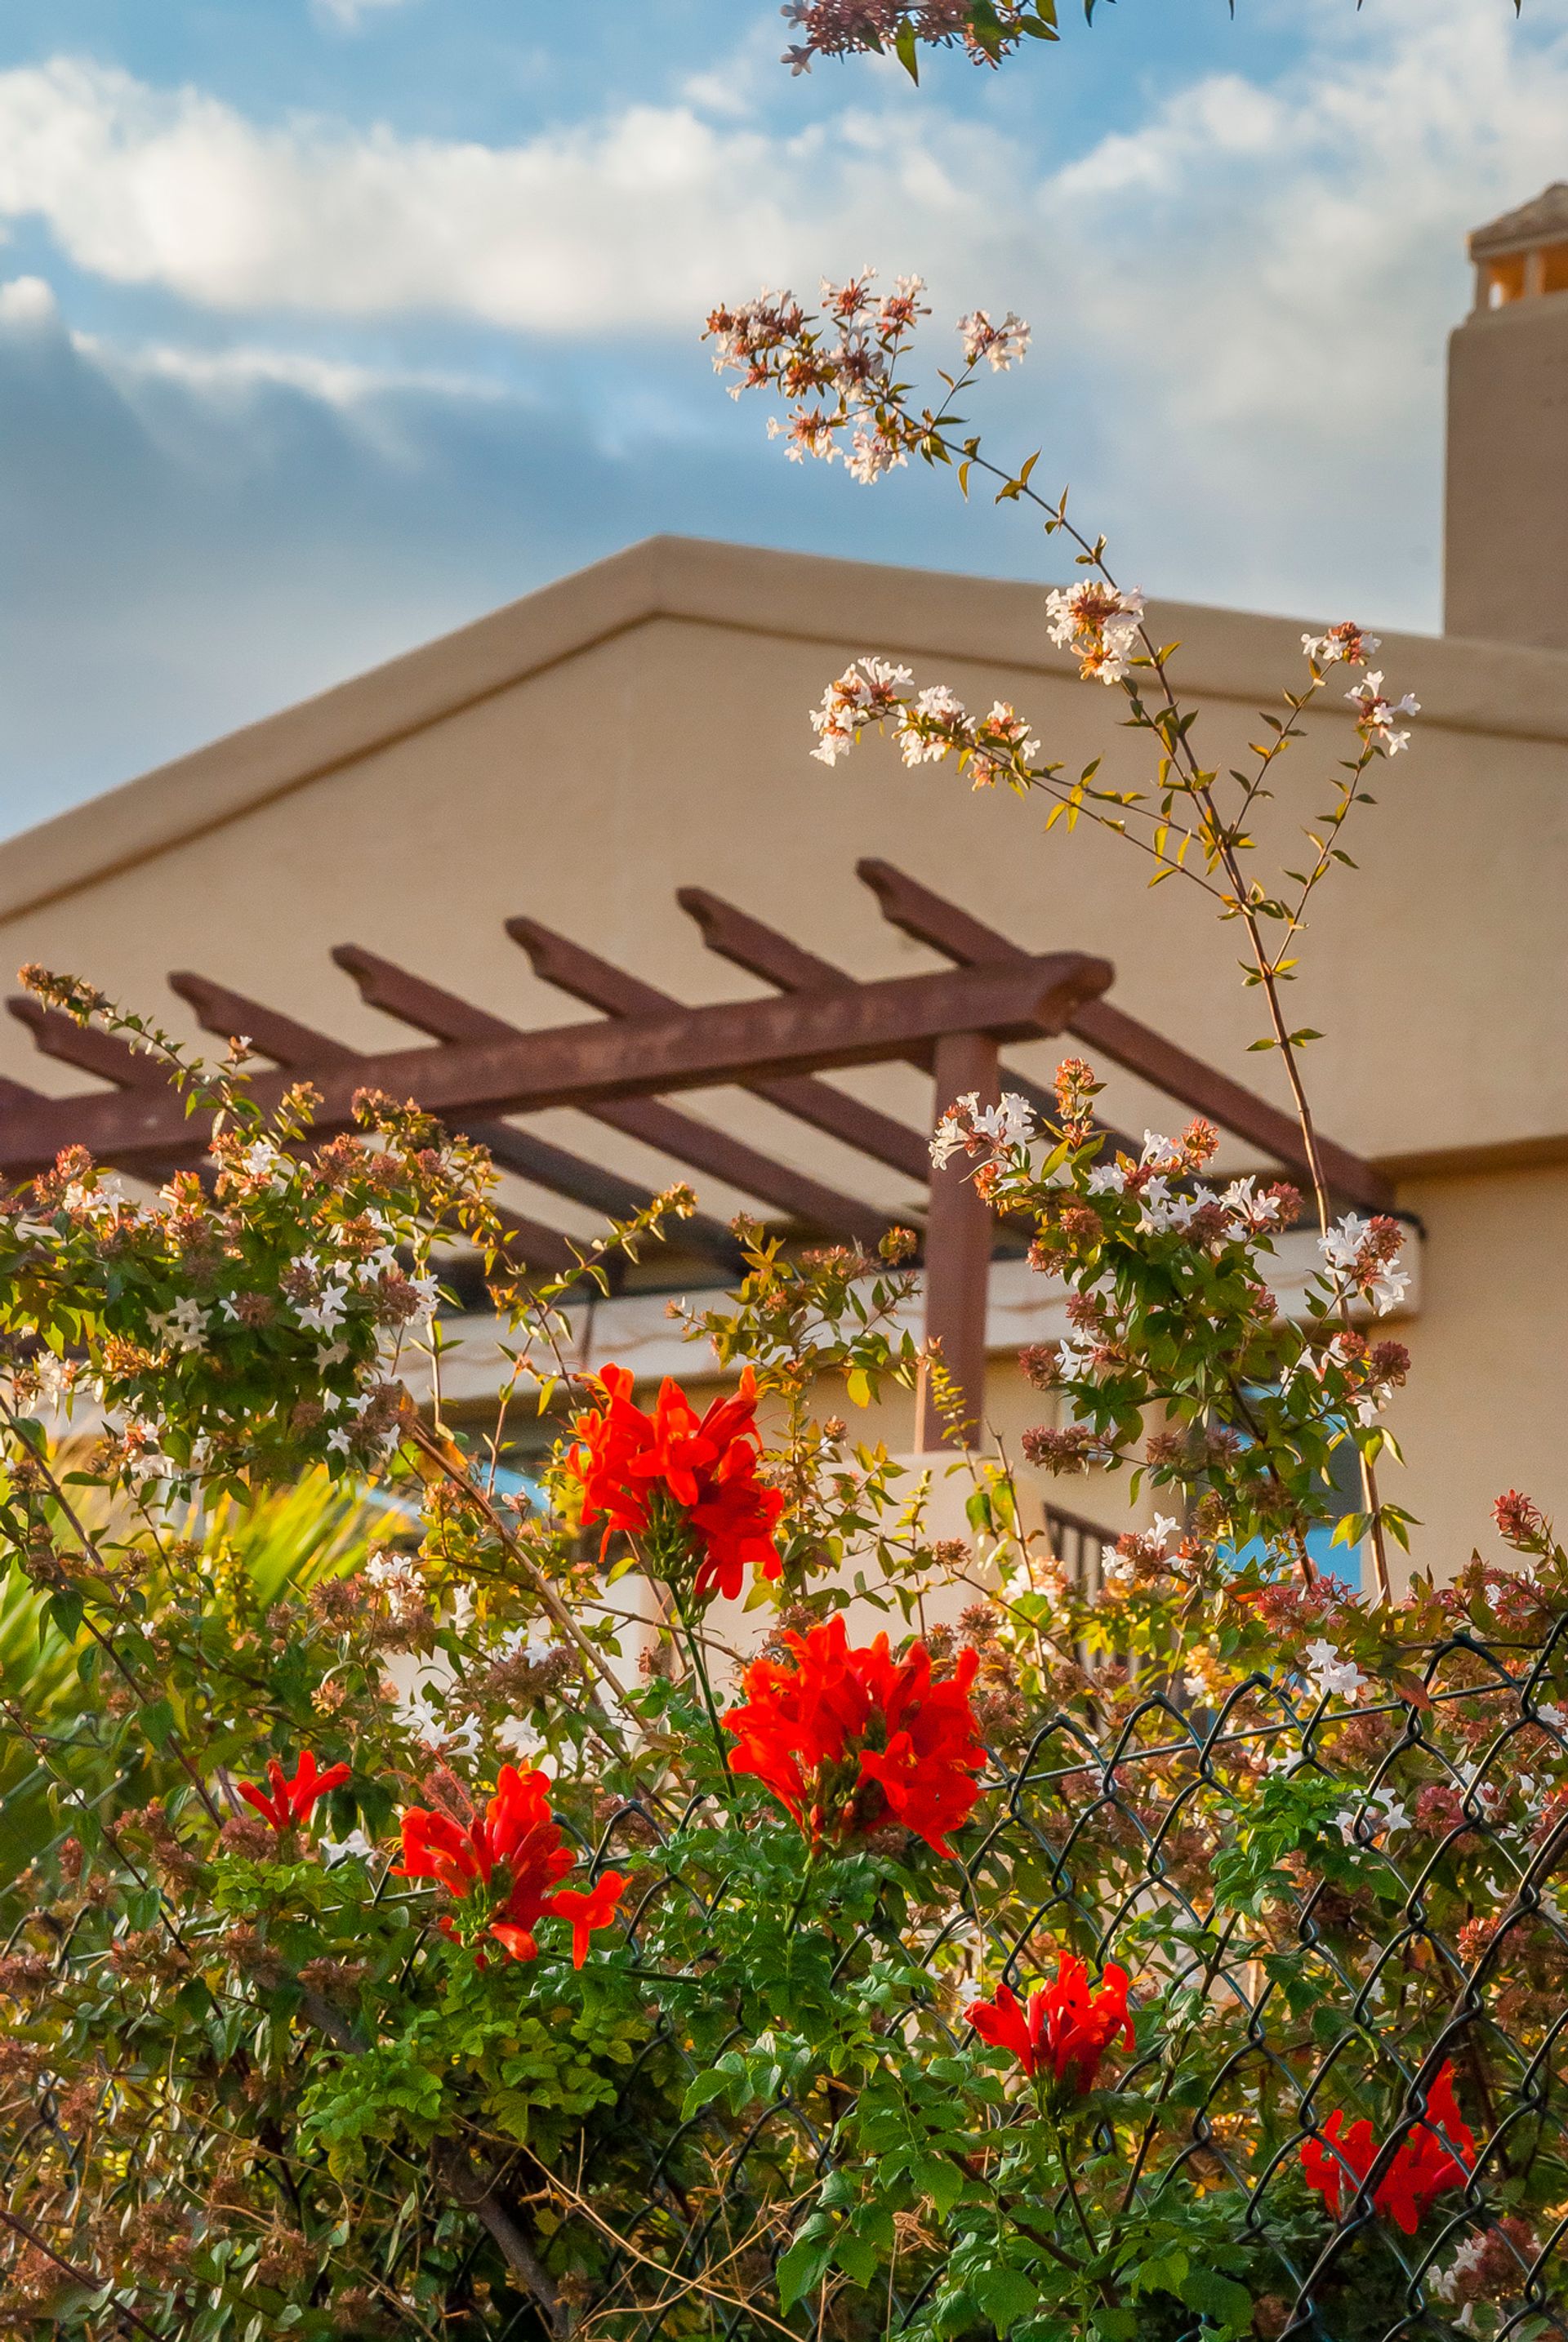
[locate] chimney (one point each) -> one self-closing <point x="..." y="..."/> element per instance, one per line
<point x="1506" y="554"/>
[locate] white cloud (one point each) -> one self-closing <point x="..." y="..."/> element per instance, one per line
<point x="349" y="13"/>
<point x="28" y="303"/>
<point x="1249" y="240"/>
<point x="1240" y="301"/>
<point x="340" y="383"/>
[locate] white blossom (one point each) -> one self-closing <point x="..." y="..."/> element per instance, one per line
<point x="517" y="1735"/>
<point x="334" y="1850"/>
<point x="1107" y="1179"/>
<point x="1381" y="1816"/>
<point x="416" y="1715"/>
<point x="1003" y="344"/>
<point x="326" y="1312"/>
<point x="1331" y="1673"/>
<point x="185" y="1326"/>
<point x="1377" y="716"/>
<point x="1098" y="623"/>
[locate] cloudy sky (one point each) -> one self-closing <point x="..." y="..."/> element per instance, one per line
<point x="327" y="325"/>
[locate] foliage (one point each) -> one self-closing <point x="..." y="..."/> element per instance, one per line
<point x="986" y="31"/>
<point x="435" y="1925"/>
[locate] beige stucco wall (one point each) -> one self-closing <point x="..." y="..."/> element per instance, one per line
<point x="644" y="726"/>
<point x="1505" y="532"/>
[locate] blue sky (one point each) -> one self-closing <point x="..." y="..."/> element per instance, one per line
<point x="327" y="325"/>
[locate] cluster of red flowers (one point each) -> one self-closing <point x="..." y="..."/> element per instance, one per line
<point x="850" y="1741"/>
<point x="291" y="1800"/>
<point x="1424" y="2166"/>
<point x="1065" y="2030"/>
<point x="647" y="1473"/>
<point x="514" y="1850"/>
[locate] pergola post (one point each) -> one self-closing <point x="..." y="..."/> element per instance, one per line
<point x="958" y="1228"/>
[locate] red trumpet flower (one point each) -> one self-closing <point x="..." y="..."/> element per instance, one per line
<point x="291" y="1800"/>
<point x="633" y="1466"/>
<point x="1067" y="2027"/>
<point x="1424" y="2166"/>
<point x="850" y="1741"/>
<point x="518" y="1838"/>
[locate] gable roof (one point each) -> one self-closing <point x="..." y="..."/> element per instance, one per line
<point x="1542" y="219"/>
<point x="1495" y="689"/>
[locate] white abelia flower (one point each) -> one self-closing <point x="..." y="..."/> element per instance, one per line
<point x="326" y="1312"/>
<point x="1098" y="623"/>
<point x="354" y="1846"/>
<point x="184" y="1326"/>
<point x="1377" y="716"/>
<point x="1107" y="1179"/>
<point x="1381" y="1816"/>
<point x="417" y="1715"/>
<point x="1003" y="345"/>
<point x="1331" y="1673"/>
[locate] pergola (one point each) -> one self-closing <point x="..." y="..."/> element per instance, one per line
<point x="642" y="1048"/>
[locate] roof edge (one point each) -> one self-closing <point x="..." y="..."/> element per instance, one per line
<point x="1487" y="687"/>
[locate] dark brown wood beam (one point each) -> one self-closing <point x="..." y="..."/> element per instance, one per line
<point x="589" y="978"/>
<point x="920" y="912"/>
<point x="749" y="943"/>
<point x="302" y="1049"/>
<point x="698" y="1049"/>
<point x="87" y="1046"/>
<point x="111" y="1058"/>
<point x="696" y="1146"/>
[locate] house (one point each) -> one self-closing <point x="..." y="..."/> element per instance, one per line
<point x="641" y="727"/>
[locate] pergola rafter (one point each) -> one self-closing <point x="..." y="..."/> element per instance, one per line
<point x="475" y="1070"/>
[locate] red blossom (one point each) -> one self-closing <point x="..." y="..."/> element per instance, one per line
<point x="291" y="1800"/>
<point x="1066" y="2026"/>
<point x="514" y="1849"/>
<point x="1424" y="2167"/>
<point x="852" y="1740"/>
<point x="633" y="1466"/>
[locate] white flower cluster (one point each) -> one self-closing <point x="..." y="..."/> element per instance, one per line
<point x="416" y="1715"/>
<point x="1099" y="624"/>
<point x="1247" y="1214"/>
<point x="1331" y="1673"/>
<point x="928" y="726"/>
<point x="184" y="1328"/>
<point x="1376" y="716"/>
<point x="1003" y="344"/>
<point x="970" y="1128"/>
<point x="865" y="692"/>
<point x="1444" y="2283"/>
<point x="1353" y="1249"/>
<point x="1379" y="1814"/>
<point x="1345" y="642"/>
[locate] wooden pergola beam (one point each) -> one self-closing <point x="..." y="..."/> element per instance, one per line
<point x="299" y="1047"/>
<point x="572" y="968"/>
<point x="698" y="1145"/>
<point x="750" y="943"/>
<point x="928" y="916"/>
<point x="698" y="1049"/>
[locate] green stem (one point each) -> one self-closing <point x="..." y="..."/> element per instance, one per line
<point x="694" y="1646"/>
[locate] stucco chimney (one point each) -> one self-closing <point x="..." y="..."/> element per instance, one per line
<point x="1505" y="556"/>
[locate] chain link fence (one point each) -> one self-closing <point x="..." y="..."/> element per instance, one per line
<point x="1418" y="1929"/>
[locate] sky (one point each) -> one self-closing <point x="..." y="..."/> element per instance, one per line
<point x="326" y="325"/>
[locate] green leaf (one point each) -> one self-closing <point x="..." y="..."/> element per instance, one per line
<point x="701" y="2088"/>
<point x="907" y="52"/>
<point x="935" y="2176"/>
<point x="1220" y="2298"/>
<point x="857" y="1383"/>
<point x="803" y="2269"/>
<point x="157" y="1721"/>
<point x="1005" y="2295"/>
